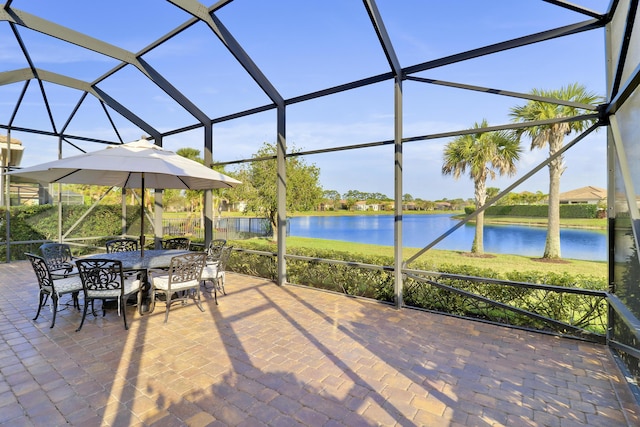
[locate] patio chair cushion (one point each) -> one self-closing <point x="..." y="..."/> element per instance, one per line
<point x="130" y="286"/>
<point x="210" y="271"/>
<point x="162" y="283"/>
<point x="65" y="285"/>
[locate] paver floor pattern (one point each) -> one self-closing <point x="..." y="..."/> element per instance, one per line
<point x="285" y="356"/>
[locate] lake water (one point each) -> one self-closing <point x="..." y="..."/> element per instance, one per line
<point x="420" y="230"/>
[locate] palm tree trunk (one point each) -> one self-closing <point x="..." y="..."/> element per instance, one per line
<point x="480" y="195"/>
<point x="552" y="244"/>
<point x="478" y="239"/>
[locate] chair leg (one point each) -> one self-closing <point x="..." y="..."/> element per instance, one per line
<point x="140" y="310"/>
<point x="42" y="301"/>
<point x="213" y="281"/>
<point x="76" y="304"/>
<point x="196" y="298"/>
<point x="123" y="309"/>
<point x="54" y="298"/>
<point x="84" y="312"/>
<point x="167" y="301"/>
<point x="152" y="302"/>
<point x="222" y="279"/>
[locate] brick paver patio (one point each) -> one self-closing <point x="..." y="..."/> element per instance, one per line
<point x="283" y="356"/>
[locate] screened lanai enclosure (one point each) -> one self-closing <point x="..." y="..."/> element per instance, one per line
<point x="368" y="91"/>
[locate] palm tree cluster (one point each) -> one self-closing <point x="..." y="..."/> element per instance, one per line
<point x="487" y="154"/>
<point x="484" y="155"/>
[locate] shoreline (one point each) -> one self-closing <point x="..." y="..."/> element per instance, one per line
<point x="579" y="223"/>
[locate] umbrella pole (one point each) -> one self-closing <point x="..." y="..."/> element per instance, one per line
<point x="142" y="219"/>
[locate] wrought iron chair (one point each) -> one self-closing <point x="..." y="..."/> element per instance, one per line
<point x="102" y="279"/>
<point x="176" y="243"/>
<point x="214" y="250"/>
<point x="124" y="244"/>
<point x="215" y="273"/>
<point x="59" y="259"/>
<point x="51" y="287"/>
<point x="180" y="282"/>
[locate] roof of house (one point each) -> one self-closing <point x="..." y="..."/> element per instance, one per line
<point x="585" y="193"/>
<point x="3" y="139"/>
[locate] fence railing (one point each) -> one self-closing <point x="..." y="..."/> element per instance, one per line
<point x="564" y="311"/>
<point x="230" y="228"/>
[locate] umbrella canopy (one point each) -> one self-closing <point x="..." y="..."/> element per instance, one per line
<point x="124" y="166"/>
<point x="139" y="164"/>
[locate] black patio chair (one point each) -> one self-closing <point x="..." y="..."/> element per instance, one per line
<point x="59" y="259"/>
<point x="214" y="250"/>
<point x="102" y="279"/>
<point x="125" y="244"/>
<point x="215" y="273"/>
<point x="176" y="243"/>
<point x="180" y="282"/>
<point x="53" y="287"/>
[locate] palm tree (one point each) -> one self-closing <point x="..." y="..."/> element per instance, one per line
<point x="553" y="135"/>
<point x="485" y="155"/>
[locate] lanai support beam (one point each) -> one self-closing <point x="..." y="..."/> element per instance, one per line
<point x="394" y="64"/>
<point x="281" y="194"/>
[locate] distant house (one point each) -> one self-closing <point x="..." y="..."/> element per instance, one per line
<point x="326" y="206"/>
<point x="443" y="206"/>
<point x="362" y="205"/>
<point x="585" y="195"/>
<point x="226" y="206"/>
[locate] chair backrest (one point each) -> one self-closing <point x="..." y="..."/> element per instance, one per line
<point x="214" y="251"/>
<point x="43" y="274"/>
<point x="224" y="258"/>
<point x="101" y="276"/>
<point x="125" y="244"/>
<point x="176" y="243"/>
<point x="187" y="268"/>
<point x="57" y="256"/>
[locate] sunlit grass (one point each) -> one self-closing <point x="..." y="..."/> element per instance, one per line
<point x="435" y="257"/>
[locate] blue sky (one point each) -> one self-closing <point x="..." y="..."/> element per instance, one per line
<point x="301" y="47"/>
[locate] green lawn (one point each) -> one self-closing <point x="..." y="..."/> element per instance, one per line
<point x="435" y="257"/>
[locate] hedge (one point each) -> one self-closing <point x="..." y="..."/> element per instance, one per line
<point x="40" y="222"/>
<point x="540" y="211"/>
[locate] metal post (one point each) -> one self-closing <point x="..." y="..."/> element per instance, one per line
<point x="208" y="195"/>
<point x="7" y="201"/>
<point x="59" y="194"/>
<point x="397" y="224"/>
<point x="142" y="236"/>
<point x="123" y="216"/>
<point x="281" y="190"/>
<point x="158" y="209"/>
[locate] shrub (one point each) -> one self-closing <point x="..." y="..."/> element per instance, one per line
<point x="583" y="210"/>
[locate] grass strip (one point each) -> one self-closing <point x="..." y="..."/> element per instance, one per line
<point x="434" y="257"/>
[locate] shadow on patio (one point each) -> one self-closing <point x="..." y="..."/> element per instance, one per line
<point x="270" y="355"/>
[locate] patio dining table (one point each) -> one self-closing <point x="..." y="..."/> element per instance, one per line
<point x="151" y="258"/>
<point x="134" y="261"/>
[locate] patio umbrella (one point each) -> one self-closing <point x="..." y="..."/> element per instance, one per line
<point x="139" y="164"/>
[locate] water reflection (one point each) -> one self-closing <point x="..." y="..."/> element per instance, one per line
<point x="420" y="230"/>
